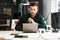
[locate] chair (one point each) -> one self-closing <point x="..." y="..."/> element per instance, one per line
<point x="4" y="22"/>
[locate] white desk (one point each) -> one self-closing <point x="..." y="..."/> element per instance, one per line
<point x="51" y="36"/>
<point x="6" y="35"/>
<point x="42" y="36"/>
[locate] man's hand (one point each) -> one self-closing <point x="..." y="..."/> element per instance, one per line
<point x="30" y="20"/>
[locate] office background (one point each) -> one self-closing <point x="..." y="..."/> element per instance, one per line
<point x="13" y="8"/>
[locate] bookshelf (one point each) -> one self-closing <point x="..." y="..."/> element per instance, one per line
<point x="7" y="9"/>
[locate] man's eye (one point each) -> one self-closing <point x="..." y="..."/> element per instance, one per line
<point x="31" y="9"/>
<point x="34" y="9"/>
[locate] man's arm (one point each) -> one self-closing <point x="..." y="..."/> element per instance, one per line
<point x="22" y="20"/>
<point x="19" y="25"/>
<point x="30" y="20"/>
<point x="41" y="23"/>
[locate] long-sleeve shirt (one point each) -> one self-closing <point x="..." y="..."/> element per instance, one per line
<point x="24" y="19"/>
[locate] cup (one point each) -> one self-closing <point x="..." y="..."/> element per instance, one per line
<point x="41" y="30"/>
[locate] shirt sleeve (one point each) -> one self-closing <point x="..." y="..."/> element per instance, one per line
<point x="19" y="25"/>
<point x="41" y="23"/>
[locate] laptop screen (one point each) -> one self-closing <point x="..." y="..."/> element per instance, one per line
<point x="30" y="28"/>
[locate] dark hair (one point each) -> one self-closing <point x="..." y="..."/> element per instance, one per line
<point x="33" y="4"/>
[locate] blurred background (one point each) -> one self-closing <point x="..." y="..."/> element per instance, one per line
<point x="12" y="10"/>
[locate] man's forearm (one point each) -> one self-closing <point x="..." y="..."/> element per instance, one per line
<point x="41" y="26"/>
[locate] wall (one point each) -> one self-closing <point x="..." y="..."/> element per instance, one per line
<point x="47" y="11"/>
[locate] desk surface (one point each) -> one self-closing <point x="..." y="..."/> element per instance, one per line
<point x="42" y="36"/>
<point x="6" y="35"/>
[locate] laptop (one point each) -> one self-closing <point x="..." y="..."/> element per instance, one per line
<point x="29" y="31"/>
<point x="30" y="28"/>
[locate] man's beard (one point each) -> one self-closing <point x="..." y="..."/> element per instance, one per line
<point x="33" y="15"/>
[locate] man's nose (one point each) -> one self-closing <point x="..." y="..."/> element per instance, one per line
<point x="32" y="10"/>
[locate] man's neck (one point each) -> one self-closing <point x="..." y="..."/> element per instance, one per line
<point x="33" y="16"/>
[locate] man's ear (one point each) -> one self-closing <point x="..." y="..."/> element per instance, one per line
<point x="37" y="9"/>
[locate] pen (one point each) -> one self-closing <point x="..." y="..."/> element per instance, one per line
<point x="20" y="36"/>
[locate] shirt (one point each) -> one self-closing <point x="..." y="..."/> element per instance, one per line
<point x="24" y="19"/>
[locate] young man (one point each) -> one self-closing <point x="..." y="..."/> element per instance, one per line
<point x="32" y="17"/>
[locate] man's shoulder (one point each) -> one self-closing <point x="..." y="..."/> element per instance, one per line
<point x="39" y="15"/>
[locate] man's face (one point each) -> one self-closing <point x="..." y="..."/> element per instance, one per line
<point x="33" y="10"/>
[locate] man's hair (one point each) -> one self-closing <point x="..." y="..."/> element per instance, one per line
<point x="33" y="4"/>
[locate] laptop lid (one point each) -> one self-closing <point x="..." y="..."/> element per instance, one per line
<point x="30" y="28"/>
